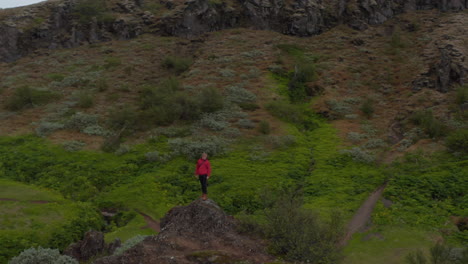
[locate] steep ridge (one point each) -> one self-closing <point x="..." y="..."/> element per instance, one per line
<point x="54" y="24"/>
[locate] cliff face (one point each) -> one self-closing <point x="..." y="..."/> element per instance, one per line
<point x="54" y="24"/>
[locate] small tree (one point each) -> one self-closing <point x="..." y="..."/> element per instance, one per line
<point x="42" y="256"/>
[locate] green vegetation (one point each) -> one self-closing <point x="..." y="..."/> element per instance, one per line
<point x="86" y="10"/>
<point x="55" y="223"/>
<point x="297" y="234"/>
<point x="367" y="108"/>
<point x="461" y="96"/>
<point x="42" y="256"/>
<point x="431" y="125"/>
<point x="439" y="254"/>
<point x="85" y="100"/>
<point x="26" y="97"/>
<point x="135" y="226"/>
<point x="264" y="127"/>
<point x="457" y="141"/>
<point x="177" y="64"/>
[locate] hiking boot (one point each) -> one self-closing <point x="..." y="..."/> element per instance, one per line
<point x="204" y="197"/>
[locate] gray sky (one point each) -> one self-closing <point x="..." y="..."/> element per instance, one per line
<point x="15" y="3"/>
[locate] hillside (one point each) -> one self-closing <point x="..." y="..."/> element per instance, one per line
<point x="108" y="104"/>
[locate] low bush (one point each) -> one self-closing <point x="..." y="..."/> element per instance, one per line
<point x="367" y="108"/>
<point x="26" y="97"/>
<point x="129" y="244"/>
<point x="112" y="62"/>
<point x="246" y="123"/>
<point x="73" y="145"/>
<point x="298" y="234"/>
<point x="122" y="118"/>
<point x="46" y="128"/>
<point x="264" y="127"/>
<point x="214" y="121"/>
<point x="192" y="148"/>
<point x="238" y="94"/>
<point x="85" y="100"/>
<point x="431" y="125"/>
<point x="80" y="121"/>
<point x="280" y="142"/>
<point x="176" y="63"/>
<point x="360" y="155"/>
<point x="42" y="256"/>
<point x="461" y="95"/>
<point x="439" y="254"/>
<point x="457" y="141"/>
<point x="210" y="100"/>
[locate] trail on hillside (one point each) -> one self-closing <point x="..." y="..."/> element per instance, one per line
<point x="363" y="214"/>
<point x="150" y="222"/>
<point x="32" y="201"/>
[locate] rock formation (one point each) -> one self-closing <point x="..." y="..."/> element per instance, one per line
<point x="197" y="233"/>
<point x="54" y="24"/>
<point x="92" y="244"/>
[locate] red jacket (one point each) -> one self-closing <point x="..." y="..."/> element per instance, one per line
<point x="203" y="167"/>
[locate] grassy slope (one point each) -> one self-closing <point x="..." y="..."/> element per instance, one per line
<point x="25" y="224"/>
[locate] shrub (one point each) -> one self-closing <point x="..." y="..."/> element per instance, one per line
<point x="375" y="143"/>
<point x="360" y="155"/>
<point x="458" y="141"/>
<point x="439" y="254"/>
<point x="356" y="137"/>
<point x="173" y="131"/>
<point x="26" y="97"/>
<point x="246" y="123"/>
<point x="46" y="128"/>
<point x="80" y="121"/>
<point x="227" y="73"/>
<point x="249" y="106"/>
<point x="210" y="100"/>
<point x="102" y="85"/>
<point x="124" y="117"/>
<point x="192" y="148"/>
<point x="264" y="127"/>
<point x="280" y="142"/>
<point x="123" y="149"/>
<point x="213" y="121"/>
<point x="291" y="49"/>
<point x="431" y="125"/>
<point x="95" y="130"/>
<point x="237" y="94"/>
<point x="112" y="62"/>
<point x="231" y="132"/>
<point x="152" y="156"/>
<point x="42" y="256"/>
<point x="367" y="108"/>
<point x="129" y="244"/>
<point x="73" y="145"/>
<point x="297" y="234"/>
<point x="85" y="100"/>
<point x="176" y="63"/>
<point x="57" y="77"/>
<point x="461" y="96"/>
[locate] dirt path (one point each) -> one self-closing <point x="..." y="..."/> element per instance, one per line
<point x="33" y="201"/>
<point x="363" y="214"/>
<point x="150" y="222"/>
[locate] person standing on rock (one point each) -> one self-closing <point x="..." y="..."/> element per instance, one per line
<point x="203" y="173"/>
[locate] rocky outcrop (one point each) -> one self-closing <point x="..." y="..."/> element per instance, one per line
<point x="445" y="56"/>
<point x="197" y="233"/>
<point x="92" y="245"/>
<point x="26" y="30"/>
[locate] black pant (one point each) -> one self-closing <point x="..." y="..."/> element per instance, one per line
<point x="203" y="183"/>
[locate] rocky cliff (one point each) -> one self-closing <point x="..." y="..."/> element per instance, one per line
<point x="59" y="23"/>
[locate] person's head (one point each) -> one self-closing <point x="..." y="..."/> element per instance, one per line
<point x="204" y="155"/>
